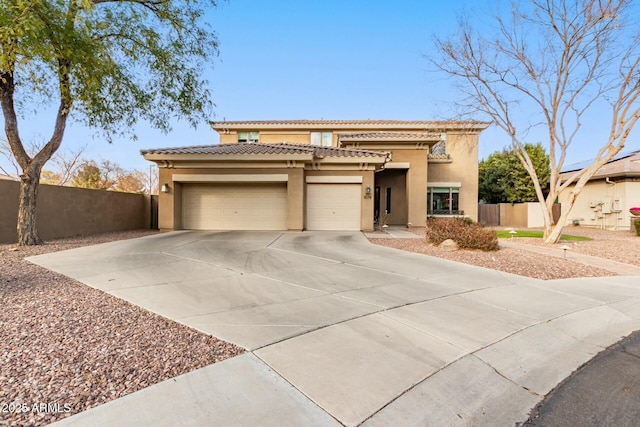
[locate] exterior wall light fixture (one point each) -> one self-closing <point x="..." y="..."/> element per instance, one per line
<point x="368" y="189"/>
<point x="165" y="188"/>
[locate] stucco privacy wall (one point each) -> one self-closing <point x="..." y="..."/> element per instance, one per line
<point x="67" y="211"/>
<point x="521" y="215"/>
<point x="514" y="215"/>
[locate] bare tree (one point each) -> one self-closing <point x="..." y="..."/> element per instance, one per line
<point x="151" y="183"/>
<point x="107" y="175"/>
<point x="5" y="152"/>
<point x="548" y="65"/>
<point x="64" y="162"/>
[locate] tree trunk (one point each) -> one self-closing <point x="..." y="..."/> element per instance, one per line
<point x="555" y="233"/>
<point x="27" y="224"/>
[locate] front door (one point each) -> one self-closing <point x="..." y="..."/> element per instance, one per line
<point x="391" y="197"/>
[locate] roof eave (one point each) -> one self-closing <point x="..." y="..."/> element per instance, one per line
<point x="468" y="126"/>
<point x="228" y="157"/>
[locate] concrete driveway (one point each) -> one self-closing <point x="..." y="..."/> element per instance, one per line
<point x="345" y="332"/>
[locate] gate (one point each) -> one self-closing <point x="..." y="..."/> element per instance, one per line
<point x="489" y="214"/>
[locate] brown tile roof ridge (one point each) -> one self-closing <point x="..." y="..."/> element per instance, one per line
<point x="332" y="151"/>
<point x="391" y="135"/>
<point x="261" y="148"/>
<point x="239" y="148"/>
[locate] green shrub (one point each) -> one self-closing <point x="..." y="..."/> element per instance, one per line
<point x="636" y="223"/>
<point x="466" y="233"/>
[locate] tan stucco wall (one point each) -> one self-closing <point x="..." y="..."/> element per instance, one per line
<point x="274" y="137"/>
<point x="535" y="218"/>
<point x="463" y="149"/>
<point x="417" y="176"/>
<point x="513" y="215"/>
<point x="366" y="201"/>
<point x="67" y="211"/>
<point x="628" y="191"/>
<point x="521" y="215"/>
<point x="170" y="204"/>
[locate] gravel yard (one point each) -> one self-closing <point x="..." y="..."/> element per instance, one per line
<point x="622" y="246"/>
<point x="67" y="347"/>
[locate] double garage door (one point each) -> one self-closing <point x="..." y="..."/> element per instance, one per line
<point x="234" y="207"/>
<point x="264" y="207"/>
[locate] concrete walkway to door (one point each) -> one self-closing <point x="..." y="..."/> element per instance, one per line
<point x="342" y="332"/>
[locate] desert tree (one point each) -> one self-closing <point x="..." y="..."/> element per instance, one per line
<point x="545" y="67"/>
<point x="106" y="64"/>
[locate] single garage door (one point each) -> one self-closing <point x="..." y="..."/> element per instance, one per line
<point x="234" y="206"/>
<point x="333" y="207"/>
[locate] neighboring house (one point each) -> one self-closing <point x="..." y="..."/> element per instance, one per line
<point x="606" y="199"/>
<point x="8" y="177"/>
<point x="320" y="175"/>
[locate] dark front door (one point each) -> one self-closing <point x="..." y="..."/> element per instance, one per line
<point x="391" y="197"/>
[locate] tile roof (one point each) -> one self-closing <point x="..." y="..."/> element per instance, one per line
<point x="413" y="136"/>
<point x="259" y="148"/>
<point x="366" y="124"/>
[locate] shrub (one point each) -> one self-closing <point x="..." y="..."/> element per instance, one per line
<point x="636" y="223"/>
<point x="466" y="233"/>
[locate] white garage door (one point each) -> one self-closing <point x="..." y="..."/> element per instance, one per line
<point x="234" y="207"/>
<point x="333" y="207"/>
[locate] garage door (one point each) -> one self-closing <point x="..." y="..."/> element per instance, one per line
<point x="333" y="207"/>
<point x="234" y="207"/>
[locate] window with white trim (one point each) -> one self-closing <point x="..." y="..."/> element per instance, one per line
<point x="248" y="136"/>
<point x="443" y="201"/>
<point x="322" y="139"/>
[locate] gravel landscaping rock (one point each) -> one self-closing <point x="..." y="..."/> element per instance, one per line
<point x="621" y="246"/>
<point x="67" y="347"/>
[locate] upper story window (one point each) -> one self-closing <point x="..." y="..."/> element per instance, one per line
<point x="438" y="153"/>
<point x="439" y="148"/>
<point x="322" y="139"/>
<point x="248" y="136"/>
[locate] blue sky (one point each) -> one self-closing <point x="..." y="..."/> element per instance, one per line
<point x="312" y="59"/>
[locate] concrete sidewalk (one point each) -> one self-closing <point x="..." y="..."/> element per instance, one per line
<point x="343" y="332"/>
<point x="393" y="232"/>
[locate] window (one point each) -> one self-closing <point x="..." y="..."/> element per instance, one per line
<point x="439" y="148"/>
<point x="443" y="201"/>
<point x="248" y="136"/>
<point x="322" y="139"/>
<point x="388" y="210"/>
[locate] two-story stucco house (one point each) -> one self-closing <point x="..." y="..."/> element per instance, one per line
<point x="320" y="175"/>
